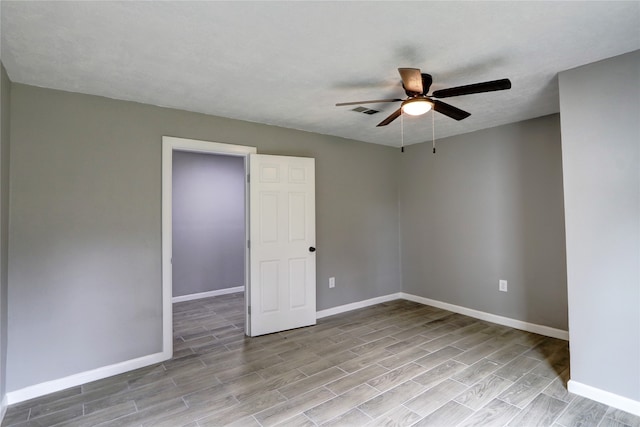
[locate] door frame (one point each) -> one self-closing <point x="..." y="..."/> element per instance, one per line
<point x="169" y="145"/>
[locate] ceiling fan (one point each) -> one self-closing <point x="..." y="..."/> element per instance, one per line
<point x="416" y="85"/>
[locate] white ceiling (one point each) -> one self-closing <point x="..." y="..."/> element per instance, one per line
<point x="288" y="63"/>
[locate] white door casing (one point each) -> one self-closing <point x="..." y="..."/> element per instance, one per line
<point x="169" y="145"/>
<point x="282" y="243"/>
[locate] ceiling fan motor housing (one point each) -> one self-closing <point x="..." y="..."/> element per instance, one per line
<point x="417" y="84"/>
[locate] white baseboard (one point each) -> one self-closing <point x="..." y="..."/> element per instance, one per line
<point x="500" y="320"/>
<point x="208" y="294"/>
<point x="616" y="401"/>
<point x="118" y="368"/>
<point x="83" y="378"/>
<point x="506" y="321"/>
<point x="356" y="305"/>
<point x="3" y="408"/>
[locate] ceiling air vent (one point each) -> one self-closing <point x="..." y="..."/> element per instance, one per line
<point x="365" y="110"/>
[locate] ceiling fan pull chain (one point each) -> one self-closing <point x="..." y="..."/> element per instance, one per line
<point x="401" y="133"/>
<point x="433" y="130"/>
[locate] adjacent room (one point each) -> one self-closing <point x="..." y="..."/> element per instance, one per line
<point x="320" y="213"/>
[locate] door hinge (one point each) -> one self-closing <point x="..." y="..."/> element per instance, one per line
<point x="248" y="244"/>
<point x="249" y="310"/>
<point x="248" y="178"/>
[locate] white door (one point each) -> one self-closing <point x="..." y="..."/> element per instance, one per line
<point x="282" y="244"/>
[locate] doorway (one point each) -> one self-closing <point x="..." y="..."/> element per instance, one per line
<point x="280" y="264"/>
<point x="169" y="146"/>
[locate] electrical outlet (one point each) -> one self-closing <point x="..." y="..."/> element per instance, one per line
<point x="332" y="282"/>
<point x="502" y="285"/>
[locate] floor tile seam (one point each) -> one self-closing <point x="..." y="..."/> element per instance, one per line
<point x="375" y="339"/>
<point x="353" y="387"/>
<point x="504" y="378"/>
<point x="45" y="414"/>
<point x="504" y="363"/>
<point x="543" y="391"/>
<point x="555" y="421"/>
<point x="473" y="411"/>
<point x="363" y="368"/>
<point x="184" y="402"/>
<point x="463" y="384"/>
<point x="256" y="420"/>
<point x="513" y="417"/>
<point x="278" y="376"/>
<point x="405" y="338"/>
<point x="389" y="411"/>
<point x="195" y="339"/>
<point x="222" y="409"/>
<point x="566" y="408"/>
<point x="559" y="415"/>
<point x="417" y="345"/>
<point x="300" y="412"/>
<point x="453" y="344"/>
<point x="430" y="412"/>
<point x="612" y="419"/>
<point x="524" y="403"/>
<point x="405" y="349"/>
<point x="459" y="361"/>
<point x="339" y="415"/>
<point x="525" y="372"/>
<point x="430" y="338"/>
<point x="22" y="406"/>
<point x="487" y="376"/>
<point x="221" y="369"/>
<point x="410" y="361"/>
<point x="113" y="420"/>
<point x="508" y="403"/>
<point x="385" y="373"/>
<point x="527" y="402"/>
<point x="321" y="385"/>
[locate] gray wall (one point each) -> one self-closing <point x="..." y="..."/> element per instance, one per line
<point x="208" y="222"/>
<point x="600" y="108"/>
<point x="5" y="89"/>
<point x="85" y="259"/>
<point x="488" y="206"/>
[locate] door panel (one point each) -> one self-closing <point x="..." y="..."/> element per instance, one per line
<point x="282" y="229"/>
<point x="297" y="274"/>
<point x="269" y="278"/>
<point x="297" y="217"/>
<point x="268" y="217"/>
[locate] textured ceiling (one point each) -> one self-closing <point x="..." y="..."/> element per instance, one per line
<point x="288" y="63"/>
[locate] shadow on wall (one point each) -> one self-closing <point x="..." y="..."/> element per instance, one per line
<point x="488" y="206"/>
<point x="539" y="207"/>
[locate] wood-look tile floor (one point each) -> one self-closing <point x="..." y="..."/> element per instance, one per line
<point x="393" y="364"/>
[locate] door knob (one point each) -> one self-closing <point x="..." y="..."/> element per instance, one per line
<point x="312" y="249"/>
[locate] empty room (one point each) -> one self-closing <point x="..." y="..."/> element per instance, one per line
<point x="305" y="213"/>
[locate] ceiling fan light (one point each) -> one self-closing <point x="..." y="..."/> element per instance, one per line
<point x="416" y="106"/>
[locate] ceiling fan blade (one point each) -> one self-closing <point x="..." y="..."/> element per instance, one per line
<point x="474" y="88"/>
<point x="449" y="110"/>
<point x="375" y="101"/>
<point x="391" y="118"/>
<point x="411" y="80"/>
<point x="426" y="83"/>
